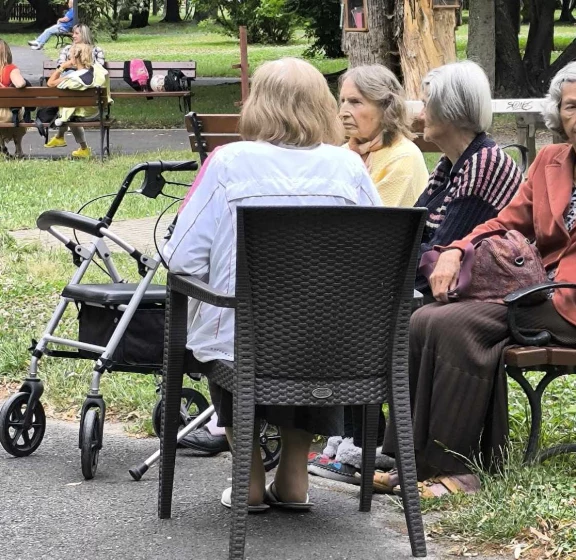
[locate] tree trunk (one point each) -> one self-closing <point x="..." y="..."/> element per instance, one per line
<point x="511" y="79"/>
<point x="428" y="41"/>
<point x="5" y="9"/>
<point x="379" y="43"/>
<point x="540" y="43"/>
<point x="482" y="36"/>
<point x="526" y="12"/>
<point x="155" y="7"/>
<point x="45" y="14"/>
<point x="172" y="12"/>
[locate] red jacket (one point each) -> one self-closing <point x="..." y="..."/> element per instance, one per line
<point x="537" y="211"/>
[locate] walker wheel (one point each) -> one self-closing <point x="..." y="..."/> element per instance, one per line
<point x="193" y="404"/>
<point x="270" y="445"/>
<point x="91" y="443"/>
<point x="17" y="438"/>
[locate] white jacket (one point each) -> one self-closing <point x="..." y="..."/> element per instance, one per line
<point x="252" y="174"/>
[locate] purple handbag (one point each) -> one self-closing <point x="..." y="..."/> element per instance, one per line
<point x="495" y="264"/>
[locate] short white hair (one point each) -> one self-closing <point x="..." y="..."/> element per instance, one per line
<point x="459" y="93"/>
<point x="553" y="100"/>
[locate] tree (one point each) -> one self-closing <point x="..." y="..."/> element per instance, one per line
<point x="567" y="9"/>
<point x="407" y="36"/>
<point x="172" y="13"/>
<point x="526" y="74"/>
<point x="45" y="13"/>
<point x="482" y="36"/>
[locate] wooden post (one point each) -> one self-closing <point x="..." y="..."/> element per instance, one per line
<point x="243" y="66"/>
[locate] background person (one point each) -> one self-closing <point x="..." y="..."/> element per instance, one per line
<point x="10" y="76"/>
<point x="62" y="25"/>
<point x="292" y="137"/>
<point x="81" y="34"/>
<point x="87" y="74"/>
<point x="459" y="391"/>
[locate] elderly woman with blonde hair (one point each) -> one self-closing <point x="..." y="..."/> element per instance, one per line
<point x="374" y="114"/>
<point x="290" y="155"/>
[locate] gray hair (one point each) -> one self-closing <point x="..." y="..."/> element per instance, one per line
<point x="551" y="105"/>
<point x="459" y="93"/>
<point x="381" y="87"/>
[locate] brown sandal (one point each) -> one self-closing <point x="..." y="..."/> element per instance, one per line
<point x="385" y="481"/>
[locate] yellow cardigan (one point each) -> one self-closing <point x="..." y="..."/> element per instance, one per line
<point x="399" y="173"/>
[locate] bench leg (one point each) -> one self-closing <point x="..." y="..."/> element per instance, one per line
<point x="534" y="400"/>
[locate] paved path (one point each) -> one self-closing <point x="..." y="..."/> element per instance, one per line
<point x="50" y="513"/>
<point x="138" y="232"/>
<point x="125" y="141"/>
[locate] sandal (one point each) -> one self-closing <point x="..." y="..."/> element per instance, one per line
<point x="439" y="486"/>
<point x="226" y="501"/>
<point x="385" y="482"/>
<point x="271" y="498"/>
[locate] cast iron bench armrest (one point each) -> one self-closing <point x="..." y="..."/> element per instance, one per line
<point x="514" y="299"/>
<point x="195" y="288"/>
<point x="523" y="155"/>
<point x="70" y="220"/>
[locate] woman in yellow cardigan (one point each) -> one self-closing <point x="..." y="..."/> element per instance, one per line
<point x="373" y="111"/>
<point x="374" y="114"/>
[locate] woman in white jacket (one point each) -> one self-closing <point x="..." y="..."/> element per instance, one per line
<point x="290" y="156"/>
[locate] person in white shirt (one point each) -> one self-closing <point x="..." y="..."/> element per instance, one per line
<point x="290" y="156"/>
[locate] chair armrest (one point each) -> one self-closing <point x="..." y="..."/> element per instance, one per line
<point x="194" y="288"/>
<point x="514" y="300"/>
<point x="523" y="155"/>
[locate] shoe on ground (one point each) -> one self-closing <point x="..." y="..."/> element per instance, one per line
<point x="33" y="43"/>
<point x="226" y="501"/>
<point x="82" y="153"/>
<point x="334" y="470"/>
<point x="202" y="439"/>
<point x="36" y="47"/>
<point x="313" y="455"/>
<point x="56" y="143"/>
<point x="271" y="498"/>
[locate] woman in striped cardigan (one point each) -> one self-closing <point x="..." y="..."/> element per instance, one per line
<point x="474" y="179"/>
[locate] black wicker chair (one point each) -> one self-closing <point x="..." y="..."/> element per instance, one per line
<point x="323" y="301"/>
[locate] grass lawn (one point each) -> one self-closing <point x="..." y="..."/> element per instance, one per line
<point x="214" y="53"/>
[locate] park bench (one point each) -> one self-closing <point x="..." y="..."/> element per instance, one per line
<point x="54" y="97"/>
<point x="207" y="132"/>
<point x="61" y="39"/>
<point x="116" y="72"/>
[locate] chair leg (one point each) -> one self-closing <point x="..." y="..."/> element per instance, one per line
<point x="172" y="374"/>
<point x="369" y="437"/>
<point x="401" y="415"/>
<point x="243" y="441"/>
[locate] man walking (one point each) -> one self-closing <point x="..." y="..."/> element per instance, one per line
<point x="62" y="25"/>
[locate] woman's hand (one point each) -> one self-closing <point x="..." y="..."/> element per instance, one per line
<point x="445" y="275"/>
<point x="67" y="64"/>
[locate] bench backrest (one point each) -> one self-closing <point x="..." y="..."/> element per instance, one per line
<point x="116" y="69"/>
<point x="217" y="130"/>
<point x="51" y="97"/>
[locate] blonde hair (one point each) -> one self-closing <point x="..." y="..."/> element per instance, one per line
<point x="5" y="54"/>
<point x="82" y="54"/>
<point x="381" y="87"/>
<point x="290" y="103"/>
<point x="85" y="34"/>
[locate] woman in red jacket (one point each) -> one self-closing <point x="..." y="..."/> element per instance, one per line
<point x="459" y="391"/>
<point x="10" y="76"/>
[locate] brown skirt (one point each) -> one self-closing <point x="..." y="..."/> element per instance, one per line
<point x="458" y="384"/>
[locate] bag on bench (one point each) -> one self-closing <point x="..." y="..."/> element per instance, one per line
<point x="175" y="80"/>
<point x="137" y="74"/>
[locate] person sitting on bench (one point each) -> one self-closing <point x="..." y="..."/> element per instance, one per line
<point x="81" y="34"/>
<point x="62" y="25"/>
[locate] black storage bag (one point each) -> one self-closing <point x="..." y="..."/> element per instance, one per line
<point x="175" y="80"/>
<point x="142" y="343"/>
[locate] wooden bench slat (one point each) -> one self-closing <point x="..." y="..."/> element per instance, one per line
<point x="136" y="94"/>
<point x="526" y="356"/>
<point x="215" y="141"/>
<point x="28" y="92"/>
<point x="216" y="124"/>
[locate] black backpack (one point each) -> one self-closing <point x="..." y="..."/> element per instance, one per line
<point x="175" y="80"/>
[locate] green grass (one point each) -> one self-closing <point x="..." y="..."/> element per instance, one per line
<point x="214" y="53"/>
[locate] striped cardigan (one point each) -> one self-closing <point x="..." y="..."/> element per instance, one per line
<point x="460" y="197"/>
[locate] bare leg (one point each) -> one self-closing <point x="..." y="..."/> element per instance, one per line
<point x="291" y="480"/>
<point x="258" y="474"/>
